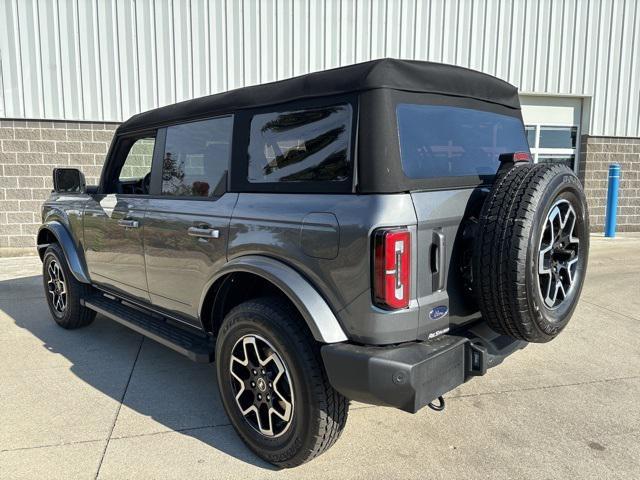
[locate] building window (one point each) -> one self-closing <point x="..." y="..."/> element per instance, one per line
<point x="553" y="144"/>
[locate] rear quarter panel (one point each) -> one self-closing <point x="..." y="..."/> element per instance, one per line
<point x="281" y="226"/>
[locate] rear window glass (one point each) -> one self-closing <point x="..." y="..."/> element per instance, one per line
<point x="310" y="145"/>
<point x="442" y="141"/>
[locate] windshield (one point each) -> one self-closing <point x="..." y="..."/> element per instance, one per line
<point x="443" y="141"/>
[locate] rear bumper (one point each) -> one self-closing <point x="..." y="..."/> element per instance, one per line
<point x="410" y="375"/>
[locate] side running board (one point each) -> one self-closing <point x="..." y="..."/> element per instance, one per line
<point x="198" y="348"/>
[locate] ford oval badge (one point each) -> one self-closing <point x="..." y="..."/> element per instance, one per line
<point x="438" y="312"/>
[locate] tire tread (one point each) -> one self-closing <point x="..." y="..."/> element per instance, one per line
<point x="78" y="315"/>
<point x="333" y="407"/>
<point x="501" y="250"/>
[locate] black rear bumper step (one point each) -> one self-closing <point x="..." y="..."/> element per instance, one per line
<point x="198" y="348"/>
<point x="411" y="375"/>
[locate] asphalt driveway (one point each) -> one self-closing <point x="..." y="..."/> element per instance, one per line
<point x="104" y="402"/>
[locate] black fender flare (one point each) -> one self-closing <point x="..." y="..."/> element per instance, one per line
<point x="74" y="259"/>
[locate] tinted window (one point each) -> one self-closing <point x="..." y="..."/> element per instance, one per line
<point x="303" y="145"/>
<point x="441" y="141"/>
<point x="196" y="157"/>
<point x="138" y="161"/>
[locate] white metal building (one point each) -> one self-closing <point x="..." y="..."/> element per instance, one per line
<point x="576" y="62"/>
<point x="108" y="59"/>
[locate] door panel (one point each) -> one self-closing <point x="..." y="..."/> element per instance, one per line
<point x="185" y="244"/>
<point x="113" y="226"/>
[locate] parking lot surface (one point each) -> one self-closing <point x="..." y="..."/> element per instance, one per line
<point x="103" y="402"/>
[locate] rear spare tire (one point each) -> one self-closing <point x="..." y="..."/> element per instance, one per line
<point x="530" y="253"/>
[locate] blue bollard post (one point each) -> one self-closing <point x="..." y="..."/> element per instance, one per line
<point x="612" y="201"/>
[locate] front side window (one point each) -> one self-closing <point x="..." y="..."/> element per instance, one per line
<point x="135" y="171"/>
<point x="444" y="141"/>
<point x="196" y="158"/>
<point x="310" y="145"/>
<point x="138" y="161"/>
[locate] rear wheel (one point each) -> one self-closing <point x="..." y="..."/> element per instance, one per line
<point x="530" y="254"/>
<point x="64" y="292"/>
<point x="273" y="384"/>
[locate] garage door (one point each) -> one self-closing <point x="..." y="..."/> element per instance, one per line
<point x="553" y="128"/>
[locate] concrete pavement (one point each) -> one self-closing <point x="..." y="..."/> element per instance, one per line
<point x="102" y="402"/>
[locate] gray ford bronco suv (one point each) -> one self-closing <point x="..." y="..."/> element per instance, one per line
<point x="376" y="232"/>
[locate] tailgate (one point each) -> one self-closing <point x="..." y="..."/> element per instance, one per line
<point x="443" y="294"/>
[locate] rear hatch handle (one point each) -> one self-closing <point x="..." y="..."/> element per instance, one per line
<point x="438" y="260"/>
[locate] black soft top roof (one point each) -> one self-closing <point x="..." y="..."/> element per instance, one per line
<point x="403" y="75"/>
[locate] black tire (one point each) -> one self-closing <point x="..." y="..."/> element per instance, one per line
<point x="513" y="283"/>
<point x="319" y="413"/>
<point x="73" y="315"/>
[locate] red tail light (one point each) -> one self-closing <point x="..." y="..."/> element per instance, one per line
<point x="521" y="157"/>
<point x="391" y="267"/>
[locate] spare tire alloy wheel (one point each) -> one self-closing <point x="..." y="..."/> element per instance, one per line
<point x="530" y="252"/>
<point x="57" y="287"/>
<point x="262" y="385"/>
<point x="559" y="254"/>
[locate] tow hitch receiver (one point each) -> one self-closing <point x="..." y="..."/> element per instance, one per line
<point x="476" y="360"/>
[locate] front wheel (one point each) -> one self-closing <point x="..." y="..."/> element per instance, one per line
<point x="273" y="384"/>
<point x="63" y="292"/>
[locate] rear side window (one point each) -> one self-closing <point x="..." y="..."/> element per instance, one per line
<point x="310" y="145"/>
<point x="196" y="158"/>
<point x="443" y="141"/>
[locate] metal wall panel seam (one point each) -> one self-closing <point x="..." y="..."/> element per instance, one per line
<point x="116" y="43"/>
<point x="98" y="49"/>
<point x="622" y="107"/>
<point x="20" y="87"/>
<point x="634" y="75"/>
<point x="619" y="76"/>
<point x="592" y="85"/>
<point x="137" y="53"/>
<point x="2" y="107"/>
<point x="609" y="62"/>
<point x="76" y="10"/>
<point x="38" y="33"/>
<point x="56" y="34"/>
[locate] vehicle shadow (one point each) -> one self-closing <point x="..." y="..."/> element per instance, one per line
<point x="160" y="390"/>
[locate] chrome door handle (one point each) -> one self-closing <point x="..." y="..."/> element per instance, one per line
<point x="128" y="223"/>
<point x="203" y="232"/>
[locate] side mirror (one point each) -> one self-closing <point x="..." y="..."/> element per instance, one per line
<point x="68" y="180"/>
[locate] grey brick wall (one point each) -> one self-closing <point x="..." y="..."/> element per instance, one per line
<point x="29" y="150"/>
<point x="596" y="154"/>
